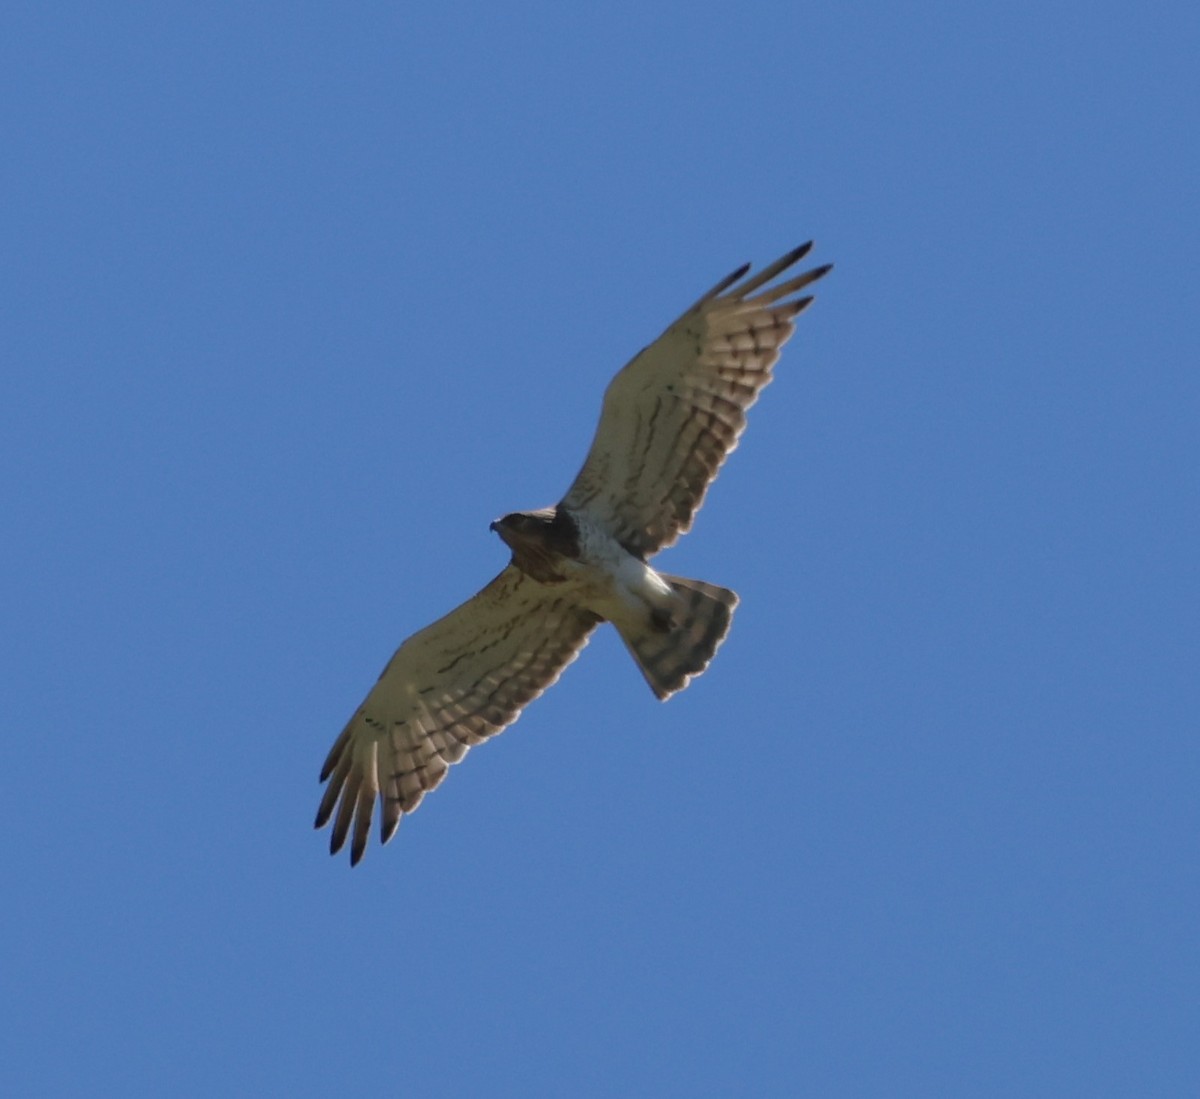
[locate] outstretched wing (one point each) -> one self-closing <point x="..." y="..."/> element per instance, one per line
<point x="672" y="414"/>
<point x="449" y="686"/>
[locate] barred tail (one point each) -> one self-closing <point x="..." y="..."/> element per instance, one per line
<point x="672" y="646"/>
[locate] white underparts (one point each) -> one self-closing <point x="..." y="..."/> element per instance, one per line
<point x="614" y="583"/>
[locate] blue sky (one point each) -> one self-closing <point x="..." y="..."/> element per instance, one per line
<point x="295" y="300"/>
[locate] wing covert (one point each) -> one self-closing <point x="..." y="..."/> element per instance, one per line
<point x="676" y="410"/>
<point x="449" y="686"/>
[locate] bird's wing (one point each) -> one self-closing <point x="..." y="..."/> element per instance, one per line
<point x="672" y="414"/>
<point x="448" y="687"/>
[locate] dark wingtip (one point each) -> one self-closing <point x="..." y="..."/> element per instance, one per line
<point x="357" y="852"/>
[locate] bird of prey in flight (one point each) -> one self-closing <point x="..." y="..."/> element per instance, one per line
<point x="669" y="419"/>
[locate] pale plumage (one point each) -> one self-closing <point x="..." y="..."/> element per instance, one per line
<point x="672" y="415"/>
<point x="457" y="681"/>
<point x="669" y="419"/>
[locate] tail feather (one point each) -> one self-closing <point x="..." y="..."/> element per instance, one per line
<point x="673" y="645"/>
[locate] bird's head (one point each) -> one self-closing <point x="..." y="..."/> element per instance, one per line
<point x="522" y="527"/>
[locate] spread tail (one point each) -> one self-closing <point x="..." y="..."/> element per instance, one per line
<point x="673" y="645"/>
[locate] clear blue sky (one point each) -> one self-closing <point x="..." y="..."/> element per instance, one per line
<point x="296" y="299"/>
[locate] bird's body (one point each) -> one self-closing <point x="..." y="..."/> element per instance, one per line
<point x="618" y="586"/>
<point x="669" y="419"/>
<point x="556" y="547"/>
<point x="655" y="615"/>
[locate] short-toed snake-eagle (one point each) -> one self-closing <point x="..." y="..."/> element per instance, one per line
<point x="669" y="419"/>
